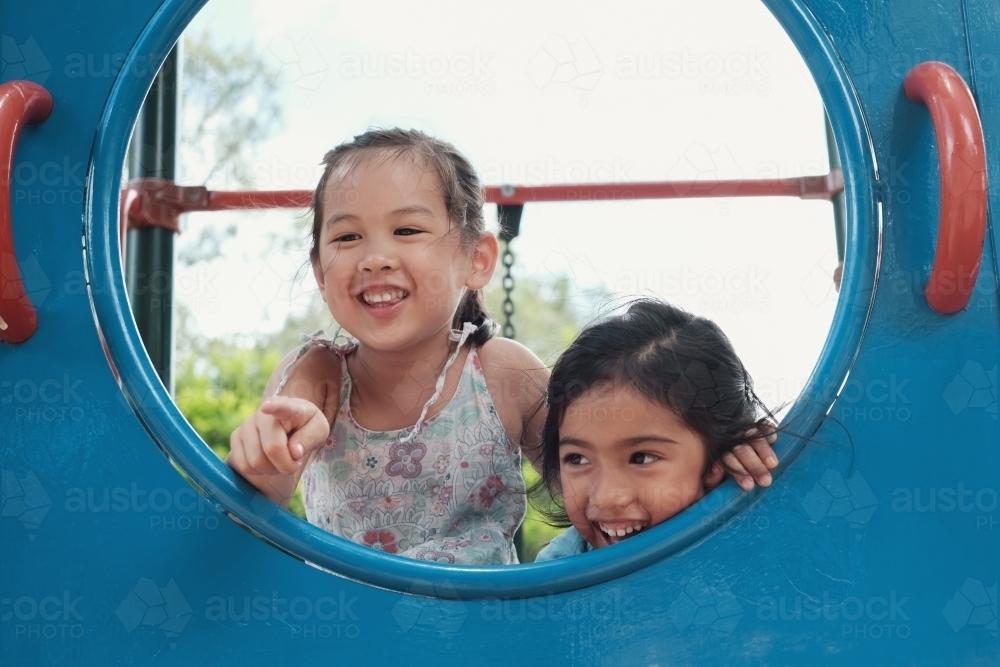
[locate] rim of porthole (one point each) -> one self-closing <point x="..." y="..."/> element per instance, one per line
<point x="163" y="421"/>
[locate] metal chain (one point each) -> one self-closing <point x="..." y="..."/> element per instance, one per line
<point x="508" y="288"/>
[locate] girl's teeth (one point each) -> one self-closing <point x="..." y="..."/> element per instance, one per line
<point x="381" y="297"/>
<point x="621" y="532"/>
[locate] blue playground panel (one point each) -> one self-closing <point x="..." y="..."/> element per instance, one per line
<point x="877" y="544"/>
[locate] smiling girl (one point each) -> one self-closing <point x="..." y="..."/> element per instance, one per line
<point x="429" y="411"/>
<point x="644" y="408"/>
<point x="420" y="461"/>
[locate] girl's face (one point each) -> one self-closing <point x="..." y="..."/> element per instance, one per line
<point x="391" y="264"/>
<point x="626" y="464"/>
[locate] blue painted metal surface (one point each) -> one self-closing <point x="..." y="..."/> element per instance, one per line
<point x="877" y="544"/>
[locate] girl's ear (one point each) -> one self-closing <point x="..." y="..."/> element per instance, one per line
<point x="484" y="262"/>
<point x="714" y="476"/>
<point x="320" y="281"/>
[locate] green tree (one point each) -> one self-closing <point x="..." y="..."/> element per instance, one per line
<point x="229" y="106"/>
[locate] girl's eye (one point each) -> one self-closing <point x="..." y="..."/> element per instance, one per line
<point x="345" y="238"/>
<point x="407" y="231"/>
<point x="642" y="458"/>
<point x="575" y="459"/>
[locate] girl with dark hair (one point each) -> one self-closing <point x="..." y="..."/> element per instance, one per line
<point x="424" y="455"/>
<point x="423" y="459"/>
<point x="644" y="409"/>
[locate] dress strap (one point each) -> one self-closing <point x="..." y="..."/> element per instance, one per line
<point x="459" y="336"/>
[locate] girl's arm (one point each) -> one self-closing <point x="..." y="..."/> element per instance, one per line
<point x="275" y="444"/>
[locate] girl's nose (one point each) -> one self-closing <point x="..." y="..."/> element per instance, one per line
<point x="377" y="258"/>
<point x="612" y="490"/>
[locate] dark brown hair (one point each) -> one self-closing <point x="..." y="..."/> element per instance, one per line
<point x="674" y="359"/>
<point x="461" y="191"/>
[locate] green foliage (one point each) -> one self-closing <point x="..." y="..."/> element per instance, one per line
<point x="546" y="314"/>
<point x="221" y="387"/>
<point x="535" y="533"/>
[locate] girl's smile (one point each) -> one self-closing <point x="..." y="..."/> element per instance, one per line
<point x="383" y="301"/>
<point x="627" y="464"/>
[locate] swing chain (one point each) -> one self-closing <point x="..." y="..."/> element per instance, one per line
<point x="508" y="288"/>
<point x="509" y="217"/>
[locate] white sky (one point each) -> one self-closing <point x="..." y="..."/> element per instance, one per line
<point x="548" y="92"/>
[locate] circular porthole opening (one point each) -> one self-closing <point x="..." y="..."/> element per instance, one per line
<point x="718" y="105"/>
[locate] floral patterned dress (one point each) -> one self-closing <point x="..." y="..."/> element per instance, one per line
<point x="449" y="489"/>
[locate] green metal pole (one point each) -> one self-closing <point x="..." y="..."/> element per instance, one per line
<point x="149" y="253"/>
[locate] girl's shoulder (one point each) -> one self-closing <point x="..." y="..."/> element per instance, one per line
<point x="517" y="381"/>
<point x="506" y="361"/>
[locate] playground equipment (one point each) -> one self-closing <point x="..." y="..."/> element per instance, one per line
<point x="877" y="543"/>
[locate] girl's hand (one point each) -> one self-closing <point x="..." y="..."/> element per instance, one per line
<point x="752" y="461"/>
<point x="270" y="448"/>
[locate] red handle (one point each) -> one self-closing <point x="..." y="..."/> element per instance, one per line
<point x="962" y="156"/>
<point x="20" y="102"/>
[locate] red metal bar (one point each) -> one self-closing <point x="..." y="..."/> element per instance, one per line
<point x="153" y="201"/>
<point x="21" y="103"/>
<point x="226" y="201"/>
<point x="807" y="187"/>
<point x="962" y="157"/>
